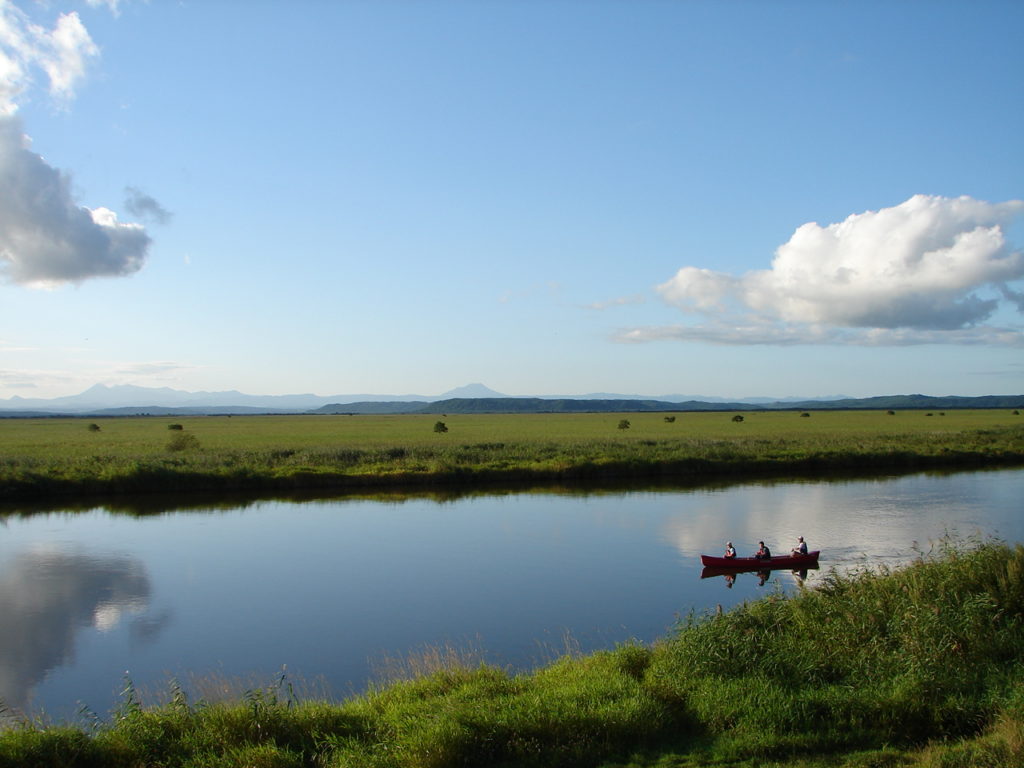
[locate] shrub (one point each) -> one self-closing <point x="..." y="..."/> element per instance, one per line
<point x="805" y="415"/>
<point x="177" y="427"/>
<point x="737" y="418"/>
<point x="94" y="427"/>
<point x="440" y="427"/>
<point x="183" y="441"/>
<point x="670" y="419"/>
<point x="624" y="424"/>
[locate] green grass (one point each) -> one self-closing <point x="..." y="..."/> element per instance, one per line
<point x="917" y="667"/>
<point x="50" y="457"/>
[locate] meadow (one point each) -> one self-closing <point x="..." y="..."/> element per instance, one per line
<point x="918" y="667"/>
<point x="68" y="456"/>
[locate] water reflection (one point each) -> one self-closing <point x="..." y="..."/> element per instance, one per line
<point x="728" y="575"/>
<point x="143" y="505"/>
<point x="880" y="522"/>
<point x="326" y="585"/>
<point x="710" y="572"/>
<point x="47" y="597"/>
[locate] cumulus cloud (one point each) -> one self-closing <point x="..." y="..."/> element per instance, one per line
<point x="45" y="237"/>
<point x="1014" y="297"/>
<point x="929" y="269"/>
<point x="62" y="54"/>
<point x="138" y="203"/>
<point x="787" y="335"/>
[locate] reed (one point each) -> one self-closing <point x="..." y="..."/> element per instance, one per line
<point x="915" y="667"/>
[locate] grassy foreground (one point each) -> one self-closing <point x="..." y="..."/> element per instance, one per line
<point x="923" y="666"/>
<point x="55" y="457"/>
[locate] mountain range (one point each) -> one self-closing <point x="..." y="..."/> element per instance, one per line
<point x="126" y="400"/>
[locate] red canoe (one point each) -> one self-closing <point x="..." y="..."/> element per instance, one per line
<point x="782" y="561"/>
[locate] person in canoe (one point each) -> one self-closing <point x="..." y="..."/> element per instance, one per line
<point x="763" y="553"/>
<point x="730" y="551"/>
<point x="800" y="548"/>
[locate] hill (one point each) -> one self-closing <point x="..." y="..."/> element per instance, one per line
<point x="125" y="400"/>
<point x="566" y="405"/>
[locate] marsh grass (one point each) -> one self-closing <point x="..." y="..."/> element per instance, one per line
<point x="58" y="458"/>
<point x="921" y="666"/>
<point x="388" y="669"/>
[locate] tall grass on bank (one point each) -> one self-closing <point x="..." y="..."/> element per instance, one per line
<point x="917" y="667"/>
<point x="933" y="650"/>
<point x="126" y="463"/>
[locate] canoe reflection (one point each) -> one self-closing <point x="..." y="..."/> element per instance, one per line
<point x="763" y="574"/>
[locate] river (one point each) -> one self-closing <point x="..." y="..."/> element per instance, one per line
<point x="340" y="592"/>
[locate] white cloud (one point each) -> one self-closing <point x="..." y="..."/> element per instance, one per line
<point x="789" y="335"/>
<point x="156" y="369"/>
<point x="36" y="382"/>
<point x="62" y="53"/>
<point x="6" y="346"/>
<point x="70" y="48"/>
<point x="45" y="237"/>
<point x="113" y="5"/>
<point x="929" y="270"/>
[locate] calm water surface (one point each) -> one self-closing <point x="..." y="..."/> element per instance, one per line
<point x="332" y="589"/>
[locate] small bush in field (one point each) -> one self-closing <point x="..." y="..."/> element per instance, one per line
<point x="624" y="424"/>
<point x="440" y="427"/>
<point x="182" y="441"/>
<point x="94" y="427"/>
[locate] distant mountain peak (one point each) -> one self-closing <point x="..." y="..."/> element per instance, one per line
<point x="471" y="390"/>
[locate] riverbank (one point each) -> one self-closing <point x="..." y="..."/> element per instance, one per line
<point x="917" y="667"/>
<point x="69" y="457"/>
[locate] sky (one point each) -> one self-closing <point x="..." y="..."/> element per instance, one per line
<point x="729" y="199"/>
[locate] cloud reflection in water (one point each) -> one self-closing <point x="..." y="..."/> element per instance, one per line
<point x="853" y="523"/>
<point x="48" y="596"/>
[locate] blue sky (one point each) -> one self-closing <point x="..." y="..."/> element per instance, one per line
<point x="719" y="198"/>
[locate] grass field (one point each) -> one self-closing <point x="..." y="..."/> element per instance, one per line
<point x="920" y="667"/>
<point x="118" y="436"/>
<point x="40" y="457"/>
